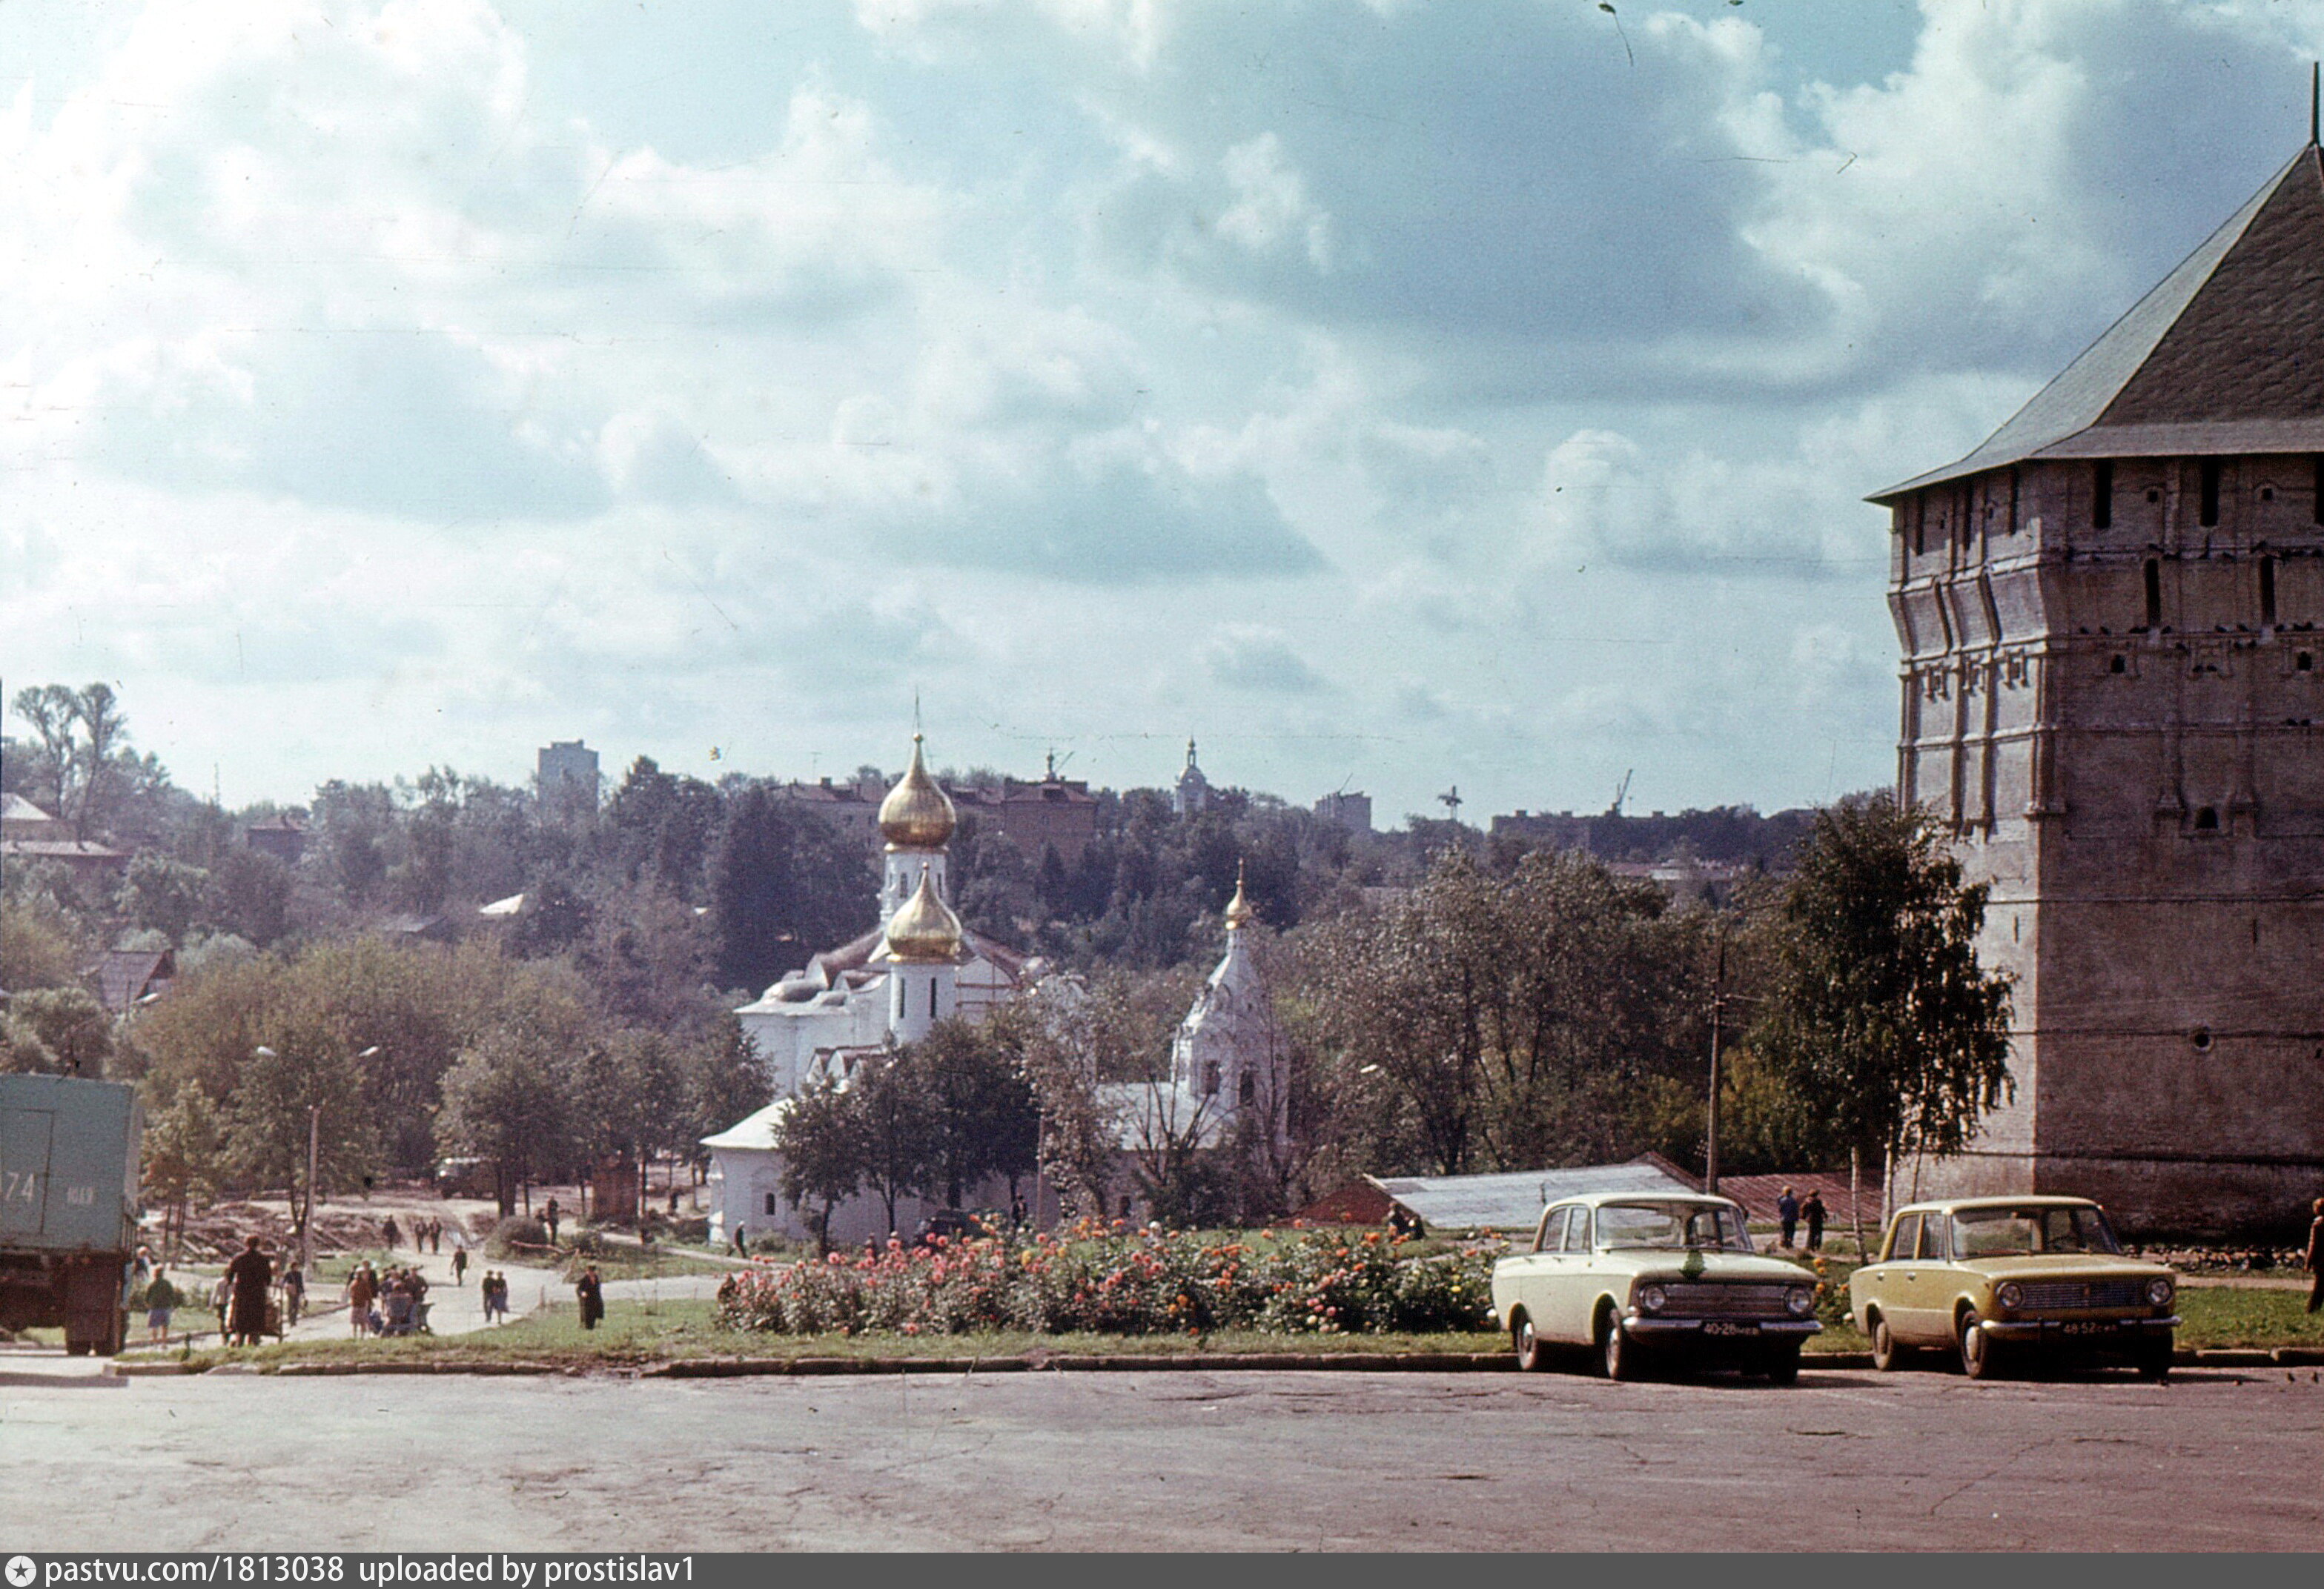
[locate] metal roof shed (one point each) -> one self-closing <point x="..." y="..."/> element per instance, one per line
<point x="1514" y="1201"/>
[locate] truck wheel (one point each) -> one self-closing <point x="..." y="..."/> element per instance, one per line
<point x="1533" y="1352"/>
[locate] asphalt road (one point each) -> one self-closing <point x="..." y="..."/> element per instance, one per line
<point x="2213" y="1459"/>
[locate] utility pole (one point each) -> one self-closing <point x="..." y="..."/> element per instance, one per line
<point x="314" y="1155"/>
<point x="1718" y="1024"/>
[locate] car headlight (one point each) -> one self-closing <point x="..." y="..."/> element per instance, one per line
<point x="2007" y="1294"/>
<point x="1801" y="1301"/>
<point x="2158" y="1291"/>
<point x="1651" y="1299"/>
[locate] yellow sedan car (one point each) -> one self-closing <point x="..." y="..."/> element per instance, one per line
<point x="1994" y="1278"/>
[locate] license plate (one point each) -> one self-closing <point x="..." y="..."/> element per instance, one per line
<point x="1723" y="1327"/>
<point x="2093" y="1327"/>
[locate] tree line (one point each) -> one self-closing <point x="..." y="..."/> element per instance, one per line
<point x="1514" y="1016"/>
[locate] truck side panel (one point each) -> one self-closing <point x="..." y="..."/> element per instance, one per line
<point x="68" y="1153"/>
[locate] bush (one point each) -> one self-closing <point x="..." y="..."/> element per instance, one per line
<point x="517" y="1238"/>
<point x="1111" y="1283"/>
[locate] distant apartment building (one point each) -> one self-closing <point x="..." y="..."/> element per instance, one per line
<point x="852" y="805"/>
<point x="567" y="778"/>
<point x="1348" y="809"/>
<point x="1049" y="812"/>
<point x="1055" y="813"/>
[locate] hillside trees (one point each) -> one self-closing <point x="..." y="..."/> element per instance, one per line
<point x="1550" y="1016"/>
<point x="782" y="886"/>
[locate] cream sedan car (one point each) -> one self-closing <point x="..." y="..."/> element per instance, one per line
<point x="1633" y="1278"/>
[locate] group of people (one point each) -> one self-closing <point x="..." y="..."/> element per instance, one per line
<point x="495" y="1287"/>
<point x="1790" y="1210"/>
<point x="390" y="1304"/>
<point x="427" y="1237"/>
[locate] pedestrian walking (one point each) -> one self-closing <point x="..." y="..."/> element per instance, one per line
<point x="2316" y="1258"/>
<point x="459" y="1266"/>
<point x="1787" y="1214"/>
<point x="294" y="1295"/>
<point x="548" y="1217"/>
<point x="742" y="1242"/>
<point x="496" y="1290"/>
<point x="361" y="1289"/>
<point x="251" y="1274"/>
<point x="393" y="1231"/>
<point x="221" y="1297"/>
<point x="161" y="1299"/>
<point x="1812" y="1211"/>
<point x="591" y="1295"/>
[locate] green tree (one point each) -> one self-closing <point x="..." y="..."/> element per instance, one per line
<point x="69" y="1025"/>
<point x="184" y="1158"/>
<point x="162" y="895"/>
<point x="41" y="944"/>
<point x="782" y="884"/>
<point x="509" y="1099"/>
<point x="307" y="1077"/>
<point x="982" y="1117"/>
<point x="1880" y="1015"/>
<point x="896" y="1128"/>
<point x="821" y="1142"/>
<point x="723" y="1081"/>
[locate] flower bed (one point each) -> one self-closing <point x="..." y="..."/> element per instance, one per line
<point x="1111" y="1281"/>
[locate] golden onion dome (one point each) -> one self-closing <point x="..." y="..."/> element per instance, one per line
<point x="1240" y="913"/>
<point x="917" y="814"/>
<point x="923" y="931"/>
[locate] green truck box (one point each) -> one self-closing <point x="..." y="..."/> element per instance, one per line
<point x="69" y="1160"/>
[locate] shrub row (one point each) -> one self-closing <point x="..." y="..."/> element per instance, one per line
<point x="1116" y="1282"/>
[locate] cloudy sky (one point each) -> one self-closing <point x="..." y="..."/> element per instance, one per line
<point x="1390" y="394"/>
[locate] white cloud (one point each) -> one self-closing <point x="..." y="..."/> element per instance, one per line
<point x="1419" y="393"/>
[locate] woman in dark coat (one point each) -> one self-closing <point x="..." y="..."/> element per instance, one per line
<point x="248" y="1277"/>
<point x="591" y="1297"/>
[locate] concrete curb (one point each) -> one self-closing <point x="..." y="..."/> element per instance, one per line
<point x="689" y="1368"/>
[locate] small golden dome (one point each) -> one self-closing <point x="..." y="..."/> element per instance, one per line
<point x="1240" y="913"/>
<point x="917" y="814"/>
<point x="923" y="931"/>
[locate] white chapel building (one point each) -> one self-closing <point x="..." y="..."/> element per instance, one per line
<point x="917" y="967"/>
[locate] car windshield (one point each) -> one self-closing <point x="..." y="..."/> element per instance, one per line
<point x="2010" y="1232"/>
<point x="1713" y="1226"/>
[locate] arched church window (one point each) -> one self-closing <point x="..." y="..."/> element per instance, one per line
<point x="1210" y="1078"/>
<point x="1248" y="1090"/>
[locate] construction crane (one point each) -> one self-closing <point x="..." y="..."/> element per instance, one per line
<point x="1621" y="793"/>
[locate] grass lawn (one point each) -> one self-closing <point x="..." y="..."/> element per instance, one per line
<point x="635" y="1332"/>
<point x="2229" y="1316"/>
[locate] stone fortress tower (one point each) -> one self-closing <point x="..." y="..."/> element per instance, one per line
<point x="2114" y="691"/>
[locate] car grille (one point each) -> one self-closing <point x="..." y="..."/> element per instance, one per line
<point x="1735" y="1300"/>
<point x="2082" y="1293"/>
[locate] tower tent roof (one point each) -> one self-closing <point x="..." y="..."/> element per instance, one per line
<point x="2225" y="356"/>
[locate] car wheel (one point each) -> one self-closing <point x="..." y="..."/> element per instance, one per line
<point x="2155" y="1358"/>
<point x="1980" y="1354"/>
<point x="1887" y="1354"/>
<point x="1619" y="1352"/>
<point x="1533" y="1352"/>
<point x="1780" y="1363"/>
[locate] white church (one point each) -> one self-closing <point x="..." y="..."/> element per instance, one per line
<point x="921" y="965"/>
